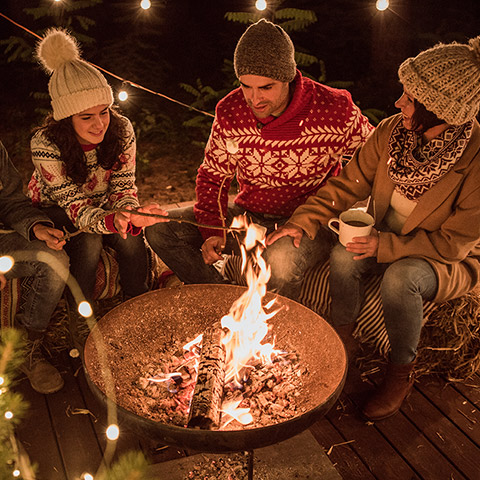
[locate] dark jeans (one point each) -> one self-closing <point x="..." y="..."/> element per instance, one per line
<point x="49" y="271"/>
<point x="84" y="251"/>
<point x="405" y="284"/>
<point x="178" y="245"/>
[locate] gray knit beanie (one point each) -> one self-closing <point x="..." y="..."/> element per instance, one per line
<point x="265" y="49"/>
<point x="74" y="85"/>
<point x="445" y="79"/>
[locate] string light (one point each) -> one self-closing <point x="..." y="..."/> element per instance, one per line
<point x="382" y="5"/>
<point x="8" y="415"/>
<point x="145" y="4"/>
<point x="261" y="5"/>
<point x="16" y="473"/>
<point x="6" y="263"/>
<point x="113" y="432"/>
<point x="87" y="476"/>
<point x="85" y="309"/>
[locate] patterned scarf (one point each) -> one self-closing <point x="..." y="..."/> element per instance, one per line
<point x="415" y="168"/>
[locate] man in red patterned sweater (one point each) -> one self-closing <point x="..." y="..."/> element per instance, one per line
<point x="282" y="136"/>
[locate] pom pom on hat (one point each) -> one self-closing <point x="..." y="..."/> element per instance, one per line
<point x="265" y="49"/>
<point x="445" y="79"/>
<point x="74" y="85"/>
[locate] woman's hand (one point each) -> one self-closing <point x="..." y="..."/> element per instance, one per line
<point x="142" y="221"/>
<point x="121" y="221"/>
<point x="290" y="230"/>
<point x="364" y="246"/>
<point x="49" y="235"/>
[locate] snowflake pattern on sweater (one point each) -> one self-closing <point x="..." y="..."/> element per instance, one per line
<point x="278" y="162"/>
<point x="103" y="189"/>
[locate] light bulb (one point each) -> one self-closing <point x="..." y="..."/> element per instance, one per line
<point x="85" y="309"/>
<point x="122" y="95"/>
<point x="112" y="432"/>
<point x="6" y="263"/>
<point x="145" y="4"/>
<point x="382" y="5"/>
<point x="261" y="5"/>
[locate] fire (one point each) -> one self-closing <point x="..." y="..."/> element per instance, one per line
<point x="245" y="329"/>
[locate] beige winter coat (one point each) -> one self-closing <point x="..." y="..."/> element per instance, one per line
<point x="444" y="227"/>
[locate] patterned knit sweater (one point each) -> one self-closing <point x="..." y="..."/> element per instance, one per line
<point x="103" y="189"/>
<point x="279" y="162"/>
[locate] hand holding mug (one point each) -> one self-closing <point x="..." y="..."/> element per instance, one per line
<point x="351" y="223"/>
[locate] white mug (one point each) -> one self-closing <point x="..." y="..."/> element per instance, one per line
<point x="351" y="223"/>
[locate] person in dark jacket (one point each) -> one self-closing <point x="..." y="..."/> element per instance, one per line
<point x="27" y="236"/>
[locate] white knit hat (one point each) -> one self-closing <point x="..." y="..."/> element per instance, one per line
<point x="445" y="79"/>
<point x="74" y="85"/>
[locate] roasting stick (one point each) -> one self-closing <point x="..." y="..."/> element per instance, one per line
<point x="69" y="235"/>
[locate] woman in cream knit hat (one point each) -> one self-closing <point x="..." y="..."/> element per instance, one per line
<point x="421" y="169"/>
<point x="84" y="159"/>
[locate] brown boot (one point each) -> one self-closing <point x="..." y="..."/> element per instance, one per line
<point x="345" y="332"/>
<point x="44" y="377"/>
<point x="388" y="398"/>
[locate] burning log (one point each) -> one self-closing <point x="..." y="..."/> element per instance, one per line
<point x="208" y="393"/>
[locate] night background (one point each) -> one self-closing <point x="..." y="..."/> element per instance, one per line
<point x="184" y="49"/>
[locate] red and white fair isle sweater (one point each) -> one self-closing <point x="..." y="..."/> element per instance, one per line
<point x="103" y="189"/>
<point x="279" y="162"/>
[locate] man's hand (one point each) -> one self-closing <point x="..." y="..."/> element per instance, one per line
<point x="211" y="249"/>
<point x="364" y="246"/>
<point x="49" y="235"/>
<point x="3" y="281"/>
<point x="290" y="230"/>
<point x="141" y="221"/>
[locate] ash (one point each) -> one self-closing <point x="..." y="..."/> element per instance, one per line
<point x="270" y="391"/>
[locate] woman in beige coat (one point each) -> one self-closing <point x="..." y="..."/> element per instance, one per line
<point x="421" y="169"/>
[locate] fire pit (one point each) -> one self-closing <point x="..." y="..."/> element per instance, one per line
<point x="135" y="329"/>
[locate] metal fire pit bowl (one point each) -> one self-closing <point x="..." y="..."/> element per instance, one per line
<point x="183" y="312"/>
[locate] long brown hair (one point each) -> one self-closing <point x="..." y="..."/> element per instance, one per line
<point x="62" y="134"/>
<point x="423" y="119"/>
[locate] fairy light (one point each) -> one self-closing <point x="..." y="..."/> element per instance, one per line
<point x="113" y="432"/>
<point x="8" y="415"/>
<point x="145" y="4"/>
<point x="85" y="309"/>
<point x="16" y="473"/>
<point x="122" y="95"/>
<point x="261" y="5"/>
<point x="87" y="476"/>
<point x="382" y="5"/>
<point x="2" y="380"/>
<point x="6" y="263"/>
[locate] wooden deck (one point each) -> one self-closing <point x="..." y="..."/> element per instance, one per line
<point x="435" y="436"/>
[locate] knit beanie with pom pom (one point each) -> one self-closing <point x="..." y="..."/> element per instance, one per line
<point x="74" y="85"/>
<point x="445" y="79"/>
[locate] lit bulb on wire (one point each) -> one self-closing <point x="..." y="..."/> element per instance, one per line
<point x="261" y="5"/>
<point x="6" y="263"/>
<point x="85" y="309"/>
<point x="122" y="95"/>
<point x="382" y="5"/>
<point x="113" y="432"/>
<point x="145" y="4"/>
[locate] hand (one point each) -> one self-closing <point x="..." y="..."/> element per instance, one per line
<point x="290" y="230"/>
<point x="121" y="221"/>
<point x="3" y="281"/>
<point x="49" y="235"/>
<point x="211" y="249"/>
<point x="366" y="246"/>
<point x="141" y="221"/>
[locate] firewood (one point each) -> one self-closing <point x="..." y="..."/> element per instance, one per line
<point x="207" y="396"/>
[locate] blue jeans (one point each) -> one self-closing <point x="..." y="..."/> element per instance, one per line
<point x="406" y="283"/>
<point x="49" y="271"/>
<point x="84" y="251"/>
<point x="178" y="245"/>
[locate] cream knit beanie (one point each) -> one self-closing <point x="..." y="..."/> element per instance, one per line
<point x="74" y="85"/>
<point x="445" y="79"/>
<point x="265" y="49"/>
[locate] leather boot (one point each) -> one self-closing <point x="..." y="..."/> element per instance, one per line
<point x="345" y="332"/>
<point x="395" y="388"/>
<point x="44" y="377"/>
